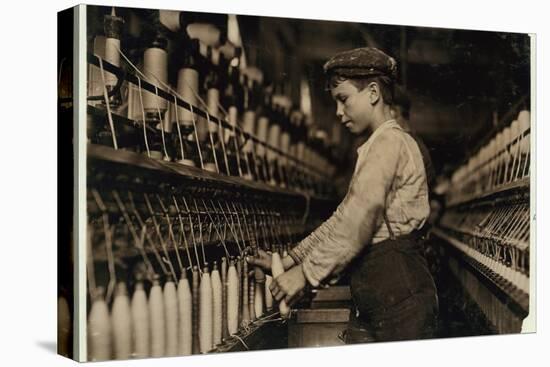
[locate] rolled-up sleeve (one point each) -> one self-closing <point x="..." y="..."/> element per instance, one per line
<point x="300" y="252"/>
<point x="339" y="239"/>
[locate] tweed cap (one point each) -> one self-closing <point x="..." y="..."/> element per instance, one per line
<point x="362" y="62"/>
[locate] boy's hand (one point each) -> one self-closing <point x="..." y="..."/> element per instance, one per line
<point x="289" y="286"/>
<point x="263" y="260"/>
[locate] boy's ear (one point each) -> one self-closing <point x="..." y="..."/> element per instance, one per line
<point x="374" y="92"/>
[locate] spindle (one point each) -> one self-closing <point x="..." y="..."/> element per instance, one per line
<point x="99" y="329"/>
<point x="205" y="312"/>
<point x="185" y="310"/>
<point x="140" y="321"/>
<point x="259" y="276"/>
<point x="157" y="320"/>
<point x="259" y="298"/>
<point x="251" y="298"/>
<point x="238" y="267"/>
<point x="267" y="292"/>
<point x="217" y="310"/>
<point x="232" y="298"/>
<point x="225" y="285"/>
<point x="277" y="269"/>
<point x="171" y="314"/>
<point x="121" y="321"/>
<point x="195" y="298"/>
<point x="245" y="289"/>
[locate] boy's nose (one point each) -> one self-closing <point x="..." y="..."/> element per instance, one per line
<point x="339" y="110"/>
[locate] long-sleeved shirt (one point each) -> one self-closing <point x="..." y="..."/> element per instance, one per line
<point x="426" y="157"/>
<point x="389" y="176"/>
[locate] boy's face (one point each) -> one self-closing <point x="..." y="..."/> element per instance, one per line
<point x="353" y="107"/>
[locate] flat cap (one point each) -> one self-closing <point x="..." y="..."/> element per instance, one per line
<point x="362" y="62"/>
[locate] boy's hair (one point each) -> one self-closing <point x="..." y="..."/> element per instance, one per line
<point x="384" y="83"/>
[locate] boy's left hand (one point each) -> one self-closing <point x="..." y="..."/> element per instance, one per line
<point x="289" y="285"/>
<point x="263" y="260"/>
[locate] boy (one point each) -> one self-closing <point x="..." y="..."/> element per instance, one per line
<point x="374" y="229"/>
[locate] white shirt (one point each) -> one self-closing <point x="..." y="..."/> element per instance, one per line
<point x="389" y="174"/>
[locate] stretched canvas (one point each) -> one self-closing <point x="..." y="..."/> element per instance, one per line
<point x="199" y="140"/>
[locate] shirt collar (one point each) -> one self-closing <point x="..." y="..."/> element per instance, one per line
<point x="385" y="125"/>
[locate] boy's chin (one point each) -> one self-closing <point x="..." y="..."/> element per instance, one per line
<point x="354" y="130"/>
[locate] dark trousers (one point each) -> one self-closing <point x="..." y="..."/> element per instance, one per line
<point x="393" y="292"/>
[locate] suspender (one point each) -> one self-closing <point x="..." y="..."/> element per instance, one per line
<point x="392" y="236"/>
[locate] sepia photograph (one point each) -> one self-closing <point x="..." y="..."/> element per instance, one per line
<point x="251" y="183"/>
